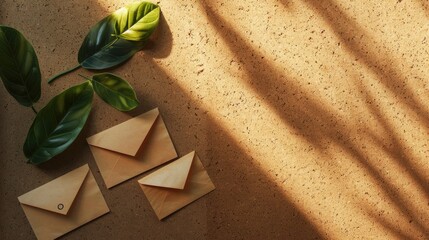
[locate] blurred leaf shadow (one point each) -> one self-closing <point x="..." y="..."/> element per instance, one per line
<point x="350" y="34"/>
<point x="348" y="31"/>
<point x="307" y="115"/>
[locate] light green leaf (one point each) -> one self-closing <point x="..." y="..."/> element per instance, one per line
<point x="19" y="67"/>
<point x="115" y="91"/>
<point x="137" y="21"/>
<point x="58" y="124"/>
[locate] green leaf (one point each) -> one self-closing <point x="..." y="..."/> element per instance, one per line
<point x="120" y="50"/>
<point x="115" y="91"/>
<point x="119" y="36"/>
<point x="58" y="124"/>
<point x="137" y="21"/>
<point x="19" y="67"/>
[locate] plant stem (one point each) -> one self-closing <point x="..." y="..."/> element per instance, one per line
<point x="34" y="110"/>
<point x="87" y="78"/>
<point x="63" y="73"/>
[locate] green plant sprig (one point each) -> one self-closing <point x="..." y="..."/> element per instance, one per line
<point x="57" y="125"/>
<point x="110" y="42"/>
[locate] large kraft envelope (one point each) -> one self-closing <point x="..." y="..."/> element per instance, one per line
<point x="64" y="204"/>
<point x="132" y="147"/>
<point x="176" y="185"/>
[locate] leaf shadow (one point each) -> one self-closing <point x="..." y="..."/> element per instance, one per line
<point x="314" y="121"/>
<point x="348" y="31"/>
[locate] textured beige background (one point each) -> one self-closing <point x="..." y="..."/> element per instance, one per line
<point x="311" y="117"/>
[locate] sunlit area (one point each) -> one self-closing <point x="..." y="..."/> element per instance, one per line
<point x="323" y="98"/>
<point x="310" y="116"/>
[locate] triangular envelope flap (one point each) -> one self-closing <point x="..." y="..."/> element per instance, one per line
<point x="57" y="195"/>
<point x="173" y="175"/>
<point x="126" y="137"/>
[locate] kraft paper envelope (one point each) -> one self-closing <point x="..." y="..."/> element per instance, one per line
<point x="64" y="204"/>
<point x="132" y="147"/>
<point x="175" y="185"/>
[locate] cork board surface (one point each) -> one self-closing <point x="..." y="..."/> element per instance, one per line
<point x="310" y="116"/>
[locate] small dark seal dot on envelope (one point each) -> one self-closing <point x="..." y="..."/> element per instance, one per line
<point x="60" y="206"/>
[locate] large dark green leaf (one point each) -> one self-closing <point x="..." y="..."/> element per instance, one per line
<point x="115" y="91"/>
<point x="58" y="124"/>
<point x="118" y="36"/>
<point x="19" y="67"/>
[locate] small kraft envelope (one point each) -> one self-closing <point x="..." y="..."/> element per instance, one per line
<point x="64" y="204"/>
<point x="176" y="185"/>
<point x="132" y="147"/>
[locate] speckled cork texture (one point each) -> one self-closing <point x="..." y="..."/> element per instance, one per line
<point x="310" y="116"/>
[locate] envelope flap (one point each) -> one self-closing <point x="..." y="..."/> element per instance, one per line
<point x="173" y="175"/>
<point x="57" y="195"/>
<point x="126" y="137"/>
